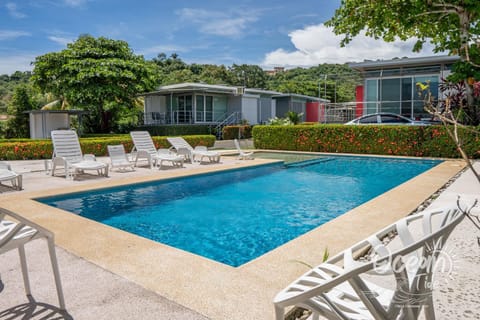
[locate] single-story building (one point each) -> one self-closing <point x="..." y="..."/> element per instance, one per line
<point x="198" y="103"/>
<point x="42" y="122"/>
<point x="390" y="85"/>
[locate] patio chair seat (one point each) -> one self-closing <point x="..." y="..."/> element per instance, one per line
<point x="7" y="174"/>
<point x="164" y="155"/>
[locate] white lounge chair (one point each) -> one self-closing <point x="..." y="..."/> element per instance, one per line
<point x="118" y="158"/>
<point x="145" y="148"/>
<point x="241" y="154"/>
<point x="337" y="289"/>
<point x="15" y="232"/>
<point x="68" y="153"/>
<point x="182" y="147"/>
<point x="6" y="174"/>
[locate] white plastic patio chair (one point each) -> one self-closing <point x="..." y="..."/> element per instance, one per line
<point x="68" y="153"/>
<point x="145" y="148"/>
<point x="118" y="157"/>
<point x="15" y="232"/>
<point x="242" y="154"/>
<point x="337" y="289"/>
<point x="182" y="147"/>
<point x="7" y="174"/>
<point x="165" y="155"/>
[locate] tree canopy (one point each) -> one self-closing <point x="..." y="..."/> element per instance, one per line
<point x="100" y="75"/>
<point x="451" y="26"/>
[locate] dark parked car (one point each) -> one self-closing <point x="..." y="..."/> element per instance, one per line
<point x="385" y="119"/>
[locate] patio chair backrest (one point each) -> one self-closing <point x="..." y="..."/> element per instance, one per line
<point x="66" y="145"/>
<point x="143" y="142"/>
<point x="179" y="142"/>
<point x="328" y="288"/>
<point x="117" y="153"/>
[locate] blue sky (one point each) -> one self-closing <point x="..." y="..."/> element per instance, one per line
<point x="263" y="32"/>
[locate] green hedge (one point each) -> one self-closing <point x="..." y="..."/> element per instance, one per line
<point x="232" y="132"/>
<point x="419" y="141"/>
<point x="42" y="149"/>
<point x="176" y="130"/>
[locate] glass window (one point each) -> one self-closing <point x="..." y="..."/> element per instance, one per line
<point x="209" y="108"/>
<point x="371" y="96"/>
<point x="219" y="107"/>
<point x="392" y="119"/>
<point x="390" y="90"/>
<point x="406" y="110"/>
<point x="369" y="119"/>
<point x="200" y="108"/>
<point x="419" y="102"/>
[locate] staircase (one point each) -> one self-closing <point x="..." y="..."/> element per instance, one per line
<point x="233" y="118"/>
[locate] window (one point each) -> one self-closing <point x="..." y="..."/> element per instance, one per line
<point x="390" y="89"/>
<point x="372" y="96"/>
<point x="392" y="119"/>
<point x="200" y="108"/>
<point x="369" y="119"/>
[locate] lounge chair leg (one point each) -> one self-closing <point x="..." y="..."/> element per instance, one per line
<point x="19" y="182"/>
<point x="56" y="273"/>
<point x="429" y="310"/>
<point x="23" y="263"/>
<point x="279" y="313"/>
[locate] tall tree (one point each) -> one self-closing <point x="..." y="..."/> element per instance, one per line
<point x="18" y="125"/>
<point x="450" y="25"/>
<point x="99" y="75"/>
<point x="250" y="76"/>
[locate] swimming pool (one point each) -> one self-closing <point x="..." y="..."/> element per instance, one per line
<point x="236" y="216"/>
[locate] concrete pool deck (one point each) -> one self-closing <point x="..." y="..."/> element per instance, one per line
<point x="113" y="274"/>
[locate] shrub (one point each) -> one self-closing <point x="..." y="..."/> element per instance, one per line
<point x="426" y="141"/>
<point x="237" y="132"/>
<point x="23" y="149"/>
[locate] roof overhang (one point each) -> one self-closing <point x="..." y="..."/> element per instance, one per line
<point x="403" y="62"/>
<point x="69" y="112"/>
<point x="300" y="96"/>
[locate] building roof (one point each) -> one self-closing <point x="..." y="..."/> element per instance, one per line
<point x="225" y="89"/>
<point x="211" y="88"/>
<point x="403" y="62"/>
<point x="70" y="112"/>
<point x="301" y="96"/>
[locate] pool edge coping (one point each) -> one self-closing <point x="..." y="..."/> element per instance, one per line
<point x="203" y="288"/>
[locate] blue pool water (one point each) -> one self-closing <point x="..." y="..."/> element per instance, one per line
<point x="236" y="216"/>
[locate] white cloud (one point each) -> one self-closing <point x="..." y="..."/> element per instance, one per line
<point x="61" y="40"/>
<point x="16" y="62"/>
<point x="227" y="24"/>
<point x="12" y="34"/>
<point x="75" y="3"/>
<point x="13" y="10"/>
<point x="318" y="44"/>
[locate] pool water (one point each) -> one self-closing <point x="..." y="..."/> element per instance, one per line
<point x="236" y="216"/>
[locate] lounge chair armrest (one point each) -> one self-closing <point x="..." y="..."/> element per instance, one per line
<point x="89" y="157"/>
<point x="7" y="213"/>
<point x="4" y="165"/>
